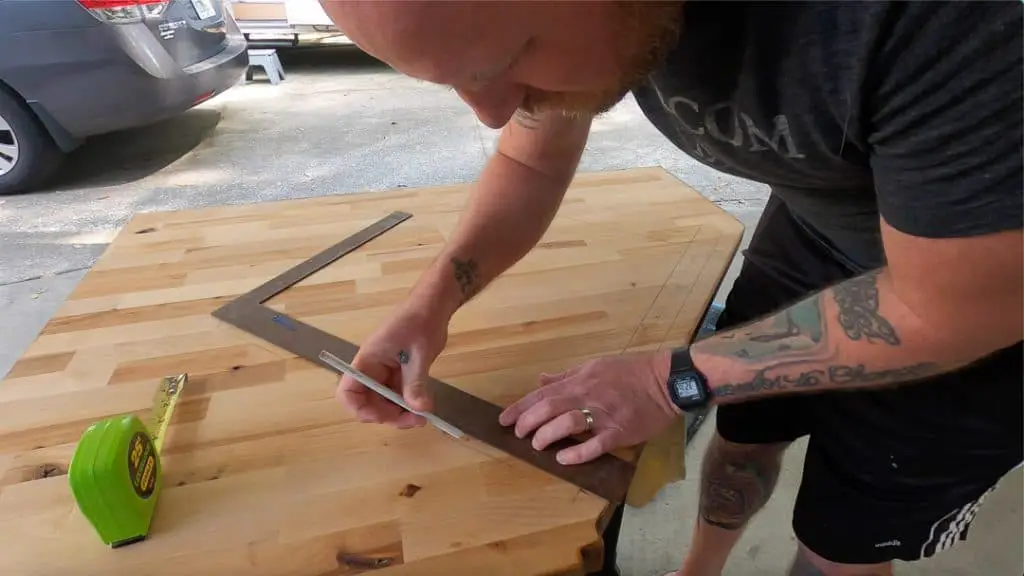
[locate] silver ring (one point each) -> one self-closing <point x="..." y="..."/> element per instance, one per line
<point x="590" y="418"/>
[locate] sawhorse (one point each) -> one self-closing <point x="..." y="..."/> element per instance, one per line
<point x="268" y="60"/>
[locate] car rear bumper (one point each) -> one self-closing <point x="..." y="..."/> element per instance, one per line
<point x="112" y="80"/>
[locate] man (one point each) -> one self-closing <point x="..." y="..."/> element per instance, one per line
<point x="879" y="305"/>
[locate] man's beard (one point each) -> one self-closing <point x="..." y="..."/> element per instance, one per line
<point x="650" y="31"/>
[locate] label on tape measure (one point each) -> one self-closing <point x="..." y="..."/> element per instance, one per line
<point x="142" y="465"/>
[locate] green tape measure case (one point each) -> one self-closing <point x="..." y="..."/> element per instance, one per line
<point x="115" y="473"/>
<point x="115" y="478"/>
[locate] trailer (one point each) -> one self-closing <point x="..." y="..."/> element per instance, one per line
<point x="285" y="23"/>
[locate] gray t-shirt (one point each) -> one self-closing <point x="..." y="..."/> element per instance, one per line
<point x="911" y="111"/>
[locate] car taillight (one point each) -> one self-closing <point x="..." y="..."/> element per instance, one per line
<point x="125" y="11"/>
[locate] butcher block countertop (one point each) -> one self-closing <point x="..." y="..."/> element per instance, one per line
<point x="265" y="473"/>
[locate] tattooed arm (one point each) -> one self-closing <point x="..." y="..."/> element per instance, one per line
<point x="511" y="207"/>
<point x="940" y="304"/>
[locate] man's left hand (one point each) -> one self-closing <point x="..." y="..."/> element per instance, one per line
<point x="626" y="396"/>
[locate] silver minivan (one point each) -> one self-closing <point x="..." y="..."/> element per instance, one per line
<point x="70" y="69"/>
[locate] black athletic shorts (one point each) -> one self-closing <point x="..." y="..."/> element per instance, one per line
<point x="889" y="474"/>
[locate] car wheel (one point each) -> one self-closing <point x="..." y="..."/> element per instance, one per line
<point x="28" y="155"/>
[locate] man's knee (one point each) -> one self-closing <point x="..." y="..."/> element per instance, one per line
<point x="737" y="480"/>
<point x="807" y="563"/>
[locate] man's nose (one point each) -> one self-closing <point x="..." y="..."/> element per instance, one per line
<point x="494" y="105"/>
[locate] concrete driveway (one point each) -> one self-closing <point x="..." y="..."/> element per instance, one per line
<point x="344" y="123"/>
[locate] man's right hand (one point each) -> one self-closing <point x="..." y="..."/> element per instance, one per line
<point x="511" y="207"/>
<point x="398" y="355"/>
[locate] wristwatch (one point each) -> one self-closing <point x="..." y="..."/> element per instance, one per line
<point x="687" y="386"/>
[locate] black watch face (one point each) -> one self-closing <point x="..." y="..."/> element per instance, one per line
<point x="687" y="389"/>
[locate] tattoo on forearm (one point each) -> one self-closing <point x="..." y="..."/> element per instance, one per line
<point x="858" y="374"/>
<point x="836" y="374"/>
<point x="467" y="274"/>
<point x="736" y="485"/>
<point x="799" y="328"/>
<point x="857" y="299"/>
<point x="761" y="382"/>
<point x="526" y="119"/>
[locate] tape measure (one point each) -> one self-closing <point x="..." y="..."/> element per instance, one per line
<point x="115" y="472"/>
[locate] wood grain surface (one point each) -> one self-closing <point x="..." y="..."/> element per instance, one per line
<point x="265" y="472"/>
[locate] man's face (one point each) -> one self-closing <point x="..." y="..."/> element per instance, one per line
<point x="575" y="57"/>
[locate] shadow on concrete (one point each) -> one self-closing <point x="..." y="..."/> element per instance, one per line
<point x="129" y="155"/>
<point x="329" y="59"/>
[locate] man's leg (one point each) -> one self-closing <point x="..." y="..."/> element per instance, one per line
<point x="807" y="563"/>
<point x="742" y="462"/>
<point x="889" y="474"/>
<point x="736" y="482"/>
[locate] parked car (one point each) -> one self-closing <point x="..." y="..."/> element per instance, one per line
<point x="70" y="69"/>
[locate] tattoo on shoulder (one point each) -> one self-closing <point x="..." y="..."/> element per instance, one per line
<point x="467" y="274"/>
<point x="526" y="119"/>
<point x="859" y="317"/>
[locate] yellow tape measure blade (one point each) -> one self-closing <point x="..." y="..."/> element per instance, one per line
<point x="165" y="400"/>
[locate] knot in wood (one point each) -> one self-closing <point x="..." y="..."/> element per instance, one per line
<point x="363" y="562"/>
<point x="49" y="470"/>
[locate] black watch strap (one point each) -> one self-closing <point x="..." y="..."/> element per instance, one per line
<point x="687" y="386"/>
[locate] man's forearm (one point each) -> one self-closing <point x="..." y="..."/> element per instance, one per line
<point x="857" y="334"/>
<point x="511" y="207"/>
<point x="505" y="217"/>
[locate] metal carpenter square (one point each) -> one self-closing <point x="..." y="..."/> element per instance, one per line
<point x="606" y="476"/>
<point x="300" y="272"/>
